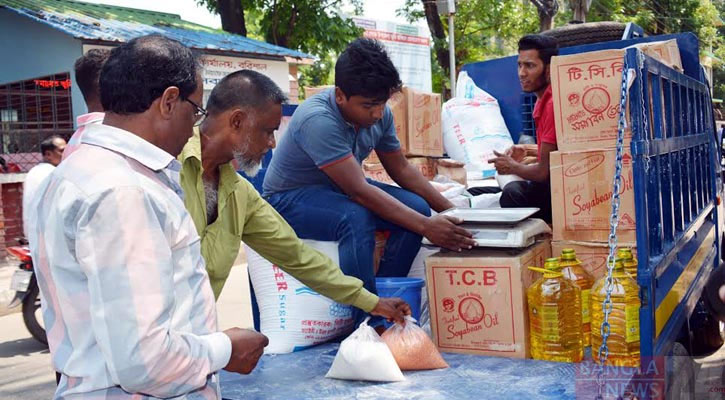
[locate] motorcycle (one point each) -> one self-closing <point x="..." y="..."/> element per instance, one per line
<point x="27" y="292"/>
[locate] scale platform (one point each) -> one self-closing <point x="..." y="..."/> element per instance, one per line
<point x="500" y="227"/>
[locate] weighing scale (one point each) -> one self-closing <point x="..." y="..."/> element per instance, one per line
<point x="500" y="227"/>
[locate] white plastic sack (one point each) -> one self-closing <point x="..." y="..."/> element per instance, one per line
<point x="504" y="180"/>
<point x="473" y="128"/>
<point x="447" y="187"/>
<point x="363" y="356"/>
<point x="486" y="200"/>
<point x="292" y="315"/>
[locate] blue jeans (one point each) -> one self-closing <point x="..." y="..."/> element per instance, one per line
<point x="323" y="212"/>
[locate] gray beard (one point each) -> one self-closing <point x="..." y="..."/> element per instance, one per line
<point x="249" y="167"/>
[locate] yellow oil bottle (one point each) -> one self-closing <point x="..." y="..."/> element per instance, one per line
<point x="573" y="271"/>
<point x="630" y="263"/>
<point x="623" y="342"/>
<point x="554" y="316"/>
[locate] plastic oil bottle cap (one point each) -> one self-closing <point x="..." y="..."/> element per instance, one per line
<point x="548" y="273"/>
<point x="568" y="255"/>
<point x="618" y="264"/>
<point x="625" y="253"/>
<point x="552" y="264"/>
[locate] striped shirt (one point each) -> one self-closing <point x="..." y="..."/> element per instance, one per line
<point x="128" y="307"/>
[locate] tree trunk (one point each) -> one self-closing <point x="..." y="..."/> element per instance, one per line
<point x="232" y="14"/>
<point x="579" y="8"/>
<point x="545" y="22"/>
<point x="439" y="35"/>
<point x="547" y="11"/>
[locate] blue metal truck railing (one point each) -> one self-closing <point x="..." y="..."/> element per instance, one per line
<point x="674" y="153"/>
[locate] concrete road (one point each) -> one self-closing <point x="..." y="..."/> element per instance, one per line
<point x="25" y="372"/>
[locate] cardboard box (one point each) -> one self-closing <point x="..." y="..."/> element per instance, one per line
<point x="592" y="255"/>
<point x="478" y="299"/>
<point x="425" y="132"/>
<point x="453" y="169"/>
<point x="581" y="195"/>
<point x="586" y="90"/>
<point x="399" y="107"/>
<point x="376" y="171"/>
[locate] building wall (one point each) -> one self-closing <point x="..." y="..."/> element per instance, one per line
<point x="294" y="87"/>
<point x="31" y="49"/>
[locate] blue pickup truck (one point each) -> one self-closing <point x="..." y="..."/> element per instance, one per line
<point x="679" y="230"/>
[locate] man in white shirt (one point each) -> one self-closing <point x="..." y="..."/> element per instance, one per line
<point x="87" y="69"/>
<point x="129" y="309"/>
<point x="52" y="151"/>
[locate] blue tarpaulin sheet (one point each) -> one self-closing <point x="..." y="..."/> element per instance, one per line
<point x="301" y="375"/>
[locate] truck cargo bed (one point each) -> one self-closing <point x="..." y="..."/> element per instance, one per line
<point x="301" y="375"/>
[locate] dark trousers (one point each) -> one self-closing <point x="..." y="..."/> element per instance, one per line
<point x="523" y="194"/>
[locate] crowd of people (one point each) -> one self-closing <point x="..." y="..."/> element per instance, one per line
<point x="134" y="226"/>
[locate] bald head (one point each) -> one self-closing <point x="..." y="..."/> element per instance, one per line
<point x="244" y="89"/>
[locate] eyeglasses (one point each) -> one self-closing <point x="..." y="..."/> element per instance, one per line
<point x="199" y="114"/>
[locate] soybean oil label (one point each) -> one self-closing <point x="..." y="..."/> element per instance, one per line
<point x="586" y="306"/>
<point x="631" y="314"/>
<point x="550" y="323"/>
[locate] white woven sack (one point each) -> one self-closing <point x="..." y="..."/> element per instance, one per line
<point x="473" y="128"/>
<point x="293" y="316"/>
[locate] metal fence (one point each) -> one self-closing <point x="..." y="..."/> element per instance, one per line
<point x="31" y="111"/>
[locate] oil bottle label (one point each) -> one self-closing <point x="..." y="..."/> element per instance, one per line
<point x="550" y="323"/>
<point x="586" y="306"/>
<point x="631" y="313"/>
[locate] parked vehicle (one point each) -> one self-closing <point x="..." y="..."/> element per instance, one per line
<point x="27" y="292"/>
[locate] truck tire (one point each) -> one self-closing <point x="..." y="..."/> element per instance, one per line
<point x="31" y="304"/>
<point x="679" y="374"/>
<point x="590" y="32"/>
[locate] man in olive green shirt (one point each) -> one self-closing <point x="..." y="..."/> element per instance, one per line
<point x="244" y="110"/>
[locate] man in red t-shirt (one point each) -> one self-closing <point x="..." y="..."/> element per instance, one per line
<point x="535" y="52"/>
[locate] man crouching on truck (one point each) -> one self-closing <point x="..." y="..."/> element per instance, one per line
<point x="535" y="52"/>
<point x="315" y="180"/>
<point x="243" y="111"/>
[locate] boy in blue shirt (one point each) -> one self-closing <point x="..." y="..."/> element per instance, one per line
<point x="316" y="183"/>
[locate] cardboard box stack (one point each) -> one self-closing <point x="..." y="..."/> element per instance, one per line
<point x="417" y="119"/>
<point x="586" y="90"/>
<point x="478" y="299"/>
<point x="426" y="166"/>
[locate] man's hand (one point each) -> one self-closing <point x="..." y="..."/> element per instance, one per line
<point x="517" y="152"/>
<point x="504" y="164"/>
<point x="392" y="309"/>
<point x="247" y="347"/>
<point x="442" y="230"/>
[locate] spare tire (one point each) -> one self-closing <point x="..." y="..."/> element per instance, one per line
<point x="590" y="32"/>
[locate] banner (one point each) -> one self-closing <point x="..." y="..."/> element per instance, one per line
<point x="408" y="47"/>
<point x="217" y="67"/>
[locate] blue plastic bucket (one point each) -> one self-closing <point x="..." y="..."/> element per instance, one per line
<point x="408" y="289"/>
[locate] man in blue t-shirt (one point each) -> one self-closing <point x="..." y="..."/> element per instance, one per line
<point x="316" y="183"/>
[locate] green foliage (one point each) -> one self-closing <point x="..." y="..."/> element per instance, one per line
<point x="484" y="29"/>
<point x="313" y="26"/>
